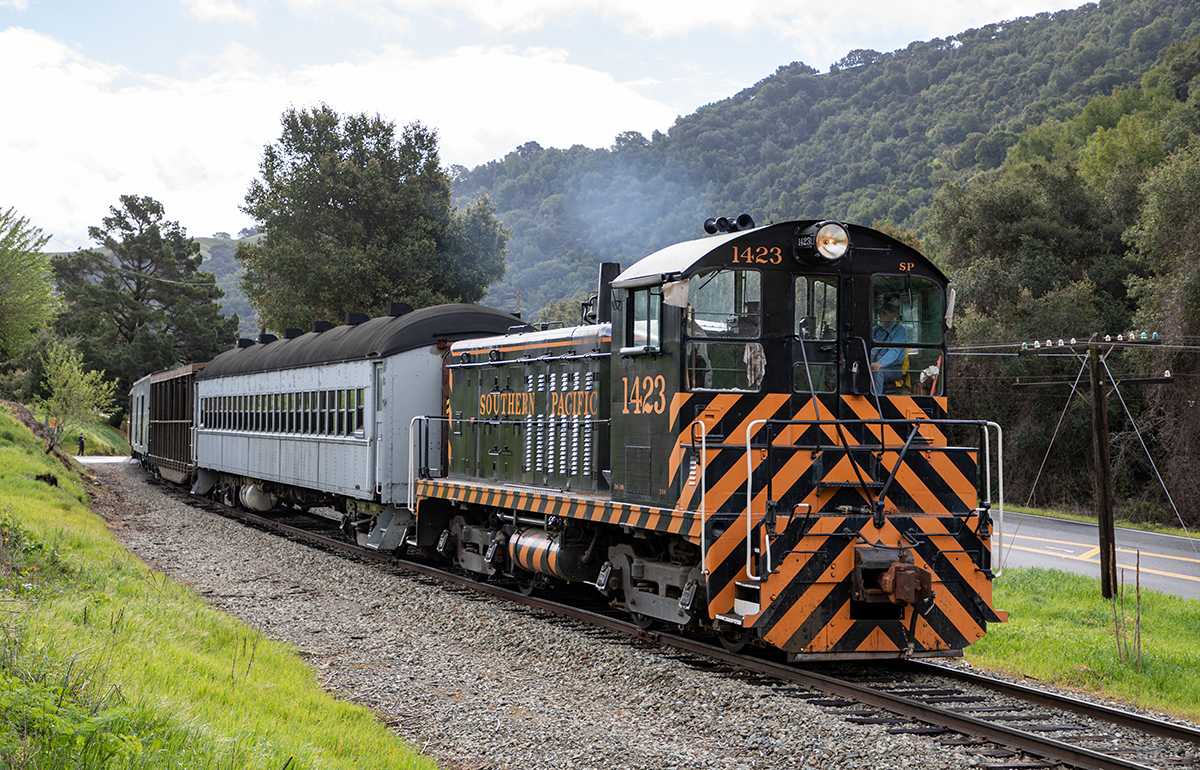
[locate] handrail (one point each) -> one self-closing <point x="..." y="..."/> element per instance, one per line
<point x="985" y="425"/>
<point x="703" y="491"/>
<point x="749" y="501"/>
<point x="1000" y="483"/>
<point x="412" y="454"/>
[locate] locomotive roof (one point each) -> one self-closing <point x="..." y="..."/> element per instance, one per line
<point x="681" y="259"/>
<point x="376" y="338"/>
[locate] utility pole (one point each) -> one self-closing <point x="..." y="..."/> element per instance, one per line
<point x="1103" y="461"/>
<point x="1105" y="518"/>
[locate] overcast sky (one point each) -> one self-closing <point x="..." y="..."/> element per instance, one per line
<point x="175" y="99"/>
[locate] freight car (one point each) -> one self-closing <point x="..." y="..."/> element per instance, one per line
<point x="748" y="436"/>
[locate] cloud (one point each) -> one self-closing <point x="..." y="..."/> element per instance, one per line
<point x="194" y="143"/>
<point x="220" y="10"/>
<point x="668" y="18"/>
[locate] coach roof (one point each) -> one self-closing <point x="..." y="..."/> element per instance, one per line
<point x="376" y="338"/>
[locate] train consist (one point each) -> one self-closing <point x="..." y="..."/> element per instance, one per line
<point x="748" y="436"/>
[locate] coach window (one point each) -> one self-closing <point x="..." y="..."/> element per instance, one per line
<point x="723" y="323"/>
<point x="911" y="344"/>
<point x="359" y="425"/>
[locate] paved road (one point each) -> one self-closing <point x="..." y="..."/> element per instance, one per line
<point x="99" y="459"/>
<point x="1170" y="564"/>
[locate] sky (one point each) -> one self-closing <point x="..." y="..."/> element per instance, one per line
<point x="176" y="99"/>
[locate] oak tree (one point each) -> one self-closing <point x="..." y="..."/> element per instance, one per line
<point x="356" y="215"/>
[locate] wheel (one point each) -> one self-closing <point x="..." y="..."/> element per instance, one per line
<point x="644" y="622"/>
<point x="733" y="641"/>
<point x="527" y="585"/>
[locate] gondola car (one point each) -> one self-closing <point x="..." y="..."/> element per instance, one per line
<point x="747" y="436"/>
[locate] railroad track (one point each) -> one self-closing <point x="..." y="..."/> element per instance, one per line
<point x="998" y="721"/>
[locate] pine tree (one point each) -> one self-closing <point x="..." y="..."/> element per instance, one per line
<point x="142" y="304"/>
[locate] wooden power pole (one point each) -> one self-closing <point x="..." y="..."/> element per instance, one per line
<point x="1103" y="460"/>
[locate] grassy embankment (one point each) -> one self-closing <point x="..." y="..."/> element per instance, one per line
<point x="1061" y="631"/>
<point x="99" y="439"/>
<point x="105" y="663"/>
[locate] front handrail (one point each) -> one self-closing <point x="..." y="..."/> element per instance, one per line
<point x="985" y="425"/>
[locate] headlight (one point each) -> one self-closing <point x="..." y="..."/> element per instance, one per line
<point x="832" y="241"/>
<point x="820" y="243"/>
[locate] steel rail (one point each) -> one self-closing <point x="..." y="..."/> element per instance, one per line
<point x="1097" y="711"/>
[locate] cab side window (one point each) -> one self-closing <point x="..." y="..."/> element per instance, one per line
<point x="723" y="325"/>
<point x="643" y="329"/>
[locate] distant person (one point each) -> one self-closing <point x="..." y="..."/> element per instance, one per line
<point x="81" y="443"/>
<point x="886" y="361"/>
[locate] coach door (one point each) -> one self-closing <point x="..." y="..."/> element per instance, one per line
<point x="380" y="444"/>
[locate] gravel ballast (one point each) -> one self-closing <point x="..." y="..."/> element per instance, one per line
<point x="475" y="682"/>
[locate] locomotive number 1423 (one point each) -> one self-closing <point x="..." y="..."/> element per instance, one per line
<point x="646" y="395"/>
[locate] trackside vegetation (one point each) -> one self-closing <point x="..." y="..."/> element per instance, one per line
<point x="1060" y="631"/>
<point x="105" y="663"/>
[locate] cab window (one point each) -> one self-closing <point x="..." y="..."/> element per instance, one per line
<point x="816" y="307"/>
<point x="726" y="303"/>
<point x="906" y="335"/>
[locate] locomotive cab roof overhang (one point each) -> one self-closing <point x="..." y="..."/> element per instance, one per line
<point x="814" y="243"/>
<point x="375" y="338"/>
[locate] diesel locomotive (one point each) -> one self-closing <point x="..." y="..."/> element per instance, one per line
<point x="747" y="436"/>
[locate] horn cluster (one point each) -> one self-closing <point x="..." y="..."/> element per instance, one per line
<point x="727" y="224"/>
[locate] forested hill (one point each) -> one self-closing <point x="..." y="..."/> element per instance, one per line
<point x="872" y="139"/>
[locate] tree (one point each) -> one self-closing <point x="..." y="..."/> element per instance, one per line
<point x="77" y="397"/>
<point x="356" y="216"/>
<point x="1166" y="236"/>
<point x="24" y="282"/>
<point x="143" y="304"/>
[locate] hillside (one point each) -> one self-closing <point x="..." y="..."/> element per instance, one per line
<point x="872" y="139"/>
<point x="218" y="260"/>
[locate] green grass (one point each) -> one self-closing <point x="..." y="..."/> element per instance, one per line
<point x="105" y="663"/>
<point x="101" y="439"/>
<point x="1061" y="631"/>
